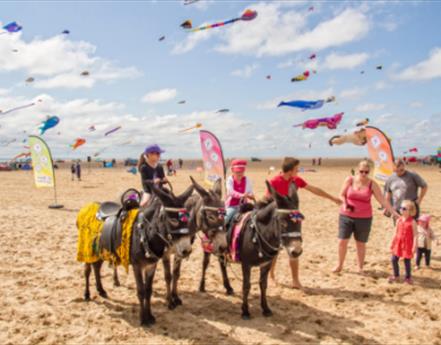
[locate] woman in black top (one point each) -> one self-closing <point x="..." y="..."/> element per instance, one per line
<point x="151" y="171"/>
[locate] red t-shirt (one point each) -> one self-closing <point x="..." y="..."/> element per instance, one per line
<point x="282" y="186"/>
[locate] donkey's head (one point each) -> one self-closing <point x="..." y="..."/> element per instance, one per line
<point x="288" y="219"/>
<point x="173" y="218"/>
<point x="209" y="215"/>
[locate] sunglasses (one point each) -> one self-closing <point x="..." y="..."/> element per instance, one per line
<point x="403" y="208"/>
<point x="365" y="172"/>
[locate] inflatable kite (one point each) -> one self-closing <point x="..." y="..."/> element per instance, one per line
<point x="304" y="105"/>
<point x="197" y="125"/>
<point x="330" y="122"/>
<point x="11" y="28"/>
<point x="113" y="130"/>
<point x="187" y="24"/>
<point x="268" y="77"/>
<point x="304" y="76"/>
<point x="312" y="56"/>
<point x="85" y="73"/>
<point x="363" y="123"/>
<point x="78" y="143"/>
<point x="162" y="38"/>
<point x="50" y="122"/>
<point x="189" y="2"/>
<point x="379" y="67"/>
<point x="223" y="111"/>
<point x="65" y="32"/>
<point x="358" y="138"/>
<point x="18" y="108"/>
<point x="182" y="102"/>
<point x="413" y="149"/>
<point x="248" y="15"/>
<point x="29" y="80"/>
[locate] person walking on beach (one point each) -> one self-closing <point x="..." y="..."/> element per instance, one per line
<point x="404" y="184"/>
<point x="356" y="213"/>
<point x="181" y="163"/>
<point x="73" y="170"/>
<point x="78" y="170"/>
<point x="281" y="183"/>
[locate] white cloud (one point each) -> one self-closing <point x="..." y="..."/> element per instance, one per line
<point x="345" y="61"/>
<point x="369" y="107"/>
<point x="4" y="92"/>
<point x="245" y="72"/>
<point x="381" y="85"/>
<point x="58" y="62"/>
<point x="353" y="93"/>
<point x="159" y="96"/>
<point x="192" y="40"/>
<point x="424" y="70"/>
<point x="415" y="104"/>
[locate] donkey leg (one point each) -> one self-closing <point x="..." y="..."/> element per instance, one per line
<point x="87" y="271"/>
<point x="149" y="274"/>
<point x="140" y="289"/>
<point x="205" y="263"/>
<point x="115" y="276"/>
<point x="225" y="279"/>
<point x="168" y="279"/>
<point x="263" y="282"/>
<point x="176" y="274"/>
<point x="246" y="285"/>
<point x="97" y="271"/>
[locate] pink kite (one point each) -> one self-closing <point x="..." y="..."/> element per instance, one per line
<point x="330" y="122"/>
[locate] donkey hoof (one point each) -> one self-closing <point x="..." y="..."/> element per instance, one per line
<point x="177" y="300"/>
<point x="148" y="321"/>
<point x="171" y="305"/>
<point x="246" y="317"/>
<point x="87" y="296"/>
<point x="230" y="291"/>
<point x="103" y="294"/>
<point x="267" y="313"/>
<point x="202" y="288"/>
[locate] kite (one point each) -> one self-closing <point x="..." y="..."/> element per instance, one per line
<point x="304" y="105"/>
<point x="65" y="32"/>
<point x="223" y="111"/>
<point x="268" y="77"/>
<point x="358" y="138"/>
<point x="330" y="122"/>
<point x="14" y="50"/>
<point x="248" y="15"/>
<point x="361" y="72"/>
<point x="197" y="125"/>
<point x="12" y="27"/>
<point x="29" y="80"/>
<point x="413" y="149"/>
<point x="18" y="108"/>
<point x="50" y="122"/>
<point x="187" y="24"/>
<point x="92" y="128"/>
<point x="189" y="2"/>
<point x="23" y="154"/>
<point x="85" y="73"/>
<point x="379" y="67"/>
<point x="311" y="9"/>
<point x="162" y="38"/>
<point x="363" y="123"/>
<point x="112" y="131"/>
<point x="182" y="102"/>
<point x="304" y="76"/>
<point x="312" y="56"/>
<point x="78" y="142"/>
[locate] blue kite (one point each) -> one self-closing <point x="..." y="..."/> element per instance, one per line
<point x="12" y="27"/>
<point x="305" y="105"/>
<point x="50" y="122"/>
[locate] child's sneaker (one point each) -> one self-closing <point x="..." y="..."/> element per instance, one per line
<point x="417" y="268"/>
<point x="392" y="279"/>
<point x="408" y="281"/>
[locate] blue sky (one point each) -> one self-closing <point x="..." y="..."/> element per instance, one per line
<point x="136" y="81"/>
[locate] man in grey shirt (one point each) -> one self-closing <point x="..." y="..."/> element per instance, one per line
<point x="404" y="185"/>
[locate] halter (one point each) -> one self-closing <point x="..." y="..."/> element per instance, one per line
<point x="221" y="213"/>
<point x="183" y="216"/>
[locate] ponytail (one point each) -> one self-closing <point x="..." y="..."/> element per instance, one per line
<point x="141" y="161"/>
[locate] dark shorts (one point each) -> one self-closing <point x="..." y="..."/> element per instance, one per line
<point x="360" y="227"/>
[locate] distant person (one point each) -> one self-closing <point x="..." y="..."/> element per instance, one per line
<point x="113" y="162"/>
<point x="181" y="163"/>
<point x="404" y="243"/>
<point x="73" y="170"/>
<point x="313" y="161"/>
<point x="104" y="164"/>
<point x="356" y="213"/>
<point x="404" y="184"/>
<point x="151" y="171"/>
<point x="281" y="183"/>
<point x="320" y="161"/>
<point x="78" y="170"/>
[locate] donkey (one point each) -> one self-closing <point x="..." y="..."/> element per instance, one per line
<point x="162" y="225"/>
<point x="266" y="230"/>
<point x="208" y="216"/>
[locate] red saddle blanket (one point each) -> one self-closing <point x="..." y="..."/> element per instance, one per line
<point x="235" y="236"/>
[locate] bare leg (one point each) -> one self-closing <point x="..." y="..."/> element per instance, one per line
<point x="87" y="270"/>
<point x="149" y="319"/>
<point x="246" y="285"/>
<point x="97" y="271"/>
<point x="140" y="289"/>
<point x="342" y="250"/>
<point x="273" y="269"/>
<point x="168" y="279"/>
<point x="361" y="254"/>
<point x="263" y="283"/>
<point x="115" y="276"/>
<point x="176" y="274"/>
<point x="205" y="263"/>
<point x="294" y="264"/>
<point x="225" y="279"/>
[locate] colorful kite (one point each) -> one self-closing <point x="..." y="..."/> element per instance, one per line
<point x="223" y="111"/>
<point x="197" y="125"/>
<point x="19" y="108"/>
<point x="358" y="138"/>
<point x="312" y="56"/>
<point x="112" y="131"/>
<point x="20" y="155"/>
<point x="187" y="24"/>
<point x="304" y="105"/>
<point x="330" y="122"/>
<point x="304" y="76"/>
<point x="413" y="149"/>
<point x="363" y="123"/>
<point x="248" y="15"/>
<point x="78" y="142"/>
<point x="50" y="122"/>
<point x="12" y="27"/>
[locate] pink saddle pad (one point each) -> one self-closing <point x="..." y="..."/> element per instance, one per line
<point x="234" y="247"/>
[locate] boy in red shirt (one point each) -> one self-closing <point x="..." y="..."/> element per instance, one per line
<point x="281" y="183"/>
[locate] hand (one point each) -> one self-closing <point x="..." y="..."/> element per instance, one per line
<point x="337" y="201"/>
<point x="396" y="215"/>
<point x="386" y="213"/>
<point x="157" y="181"/>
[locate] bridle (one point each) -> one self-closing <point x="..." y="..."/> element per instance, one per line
<point x="220" y="211"/>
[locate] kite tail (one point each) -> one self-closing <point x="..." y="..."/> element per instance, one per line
<point x="281" y="104"/>
<point x="299" y="125"/>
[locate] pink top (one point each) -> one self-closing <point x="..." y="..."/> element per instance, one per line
<point x="360" y="200"/>
<point x="236" y="190"/>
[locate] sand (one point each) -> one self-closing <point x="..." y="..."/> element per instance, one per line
<point x="41" y="284"/>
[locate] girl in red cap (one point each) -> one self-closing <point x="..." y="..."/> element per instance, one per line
<point x="239" y="189"/>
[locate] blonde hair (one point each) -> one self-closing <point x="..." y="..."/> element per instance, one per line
<point x="364" y="163"/>
<point x="410" y="205"/>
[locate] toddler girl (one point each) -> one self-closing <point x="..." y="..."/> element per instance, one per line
<point x="425" y="237"/>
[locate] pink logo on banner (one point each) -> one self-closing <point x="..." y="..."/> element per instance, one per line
<point x="212" y="156"/>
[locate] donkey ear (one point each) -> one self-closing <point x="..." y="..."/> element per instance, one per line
<point x="202" y="192"/>
<point x="275" y="195"/>
<point x="184" y="196"/>
<point x="217" y="188"/>
<point x="163" y="196"/>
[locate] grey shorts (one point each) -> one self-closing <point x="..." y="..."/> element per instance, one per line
<point x="360" y="227"/>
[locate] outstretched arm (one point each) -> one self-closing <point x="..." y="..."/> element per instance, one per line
<point x="321" y="193"/>
<point x="382" y="200"/>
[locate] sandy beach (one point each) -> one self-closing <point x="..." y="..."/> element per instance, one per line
<point x="42" y="284"/>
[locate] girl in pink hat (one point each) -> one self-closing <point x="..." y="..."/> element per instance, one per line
<point x="239" y="189"/>
<point x="424" y="239"/>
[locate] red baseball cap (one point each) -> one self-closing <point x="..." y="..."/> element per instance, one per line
<point x="238" y="165"/>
